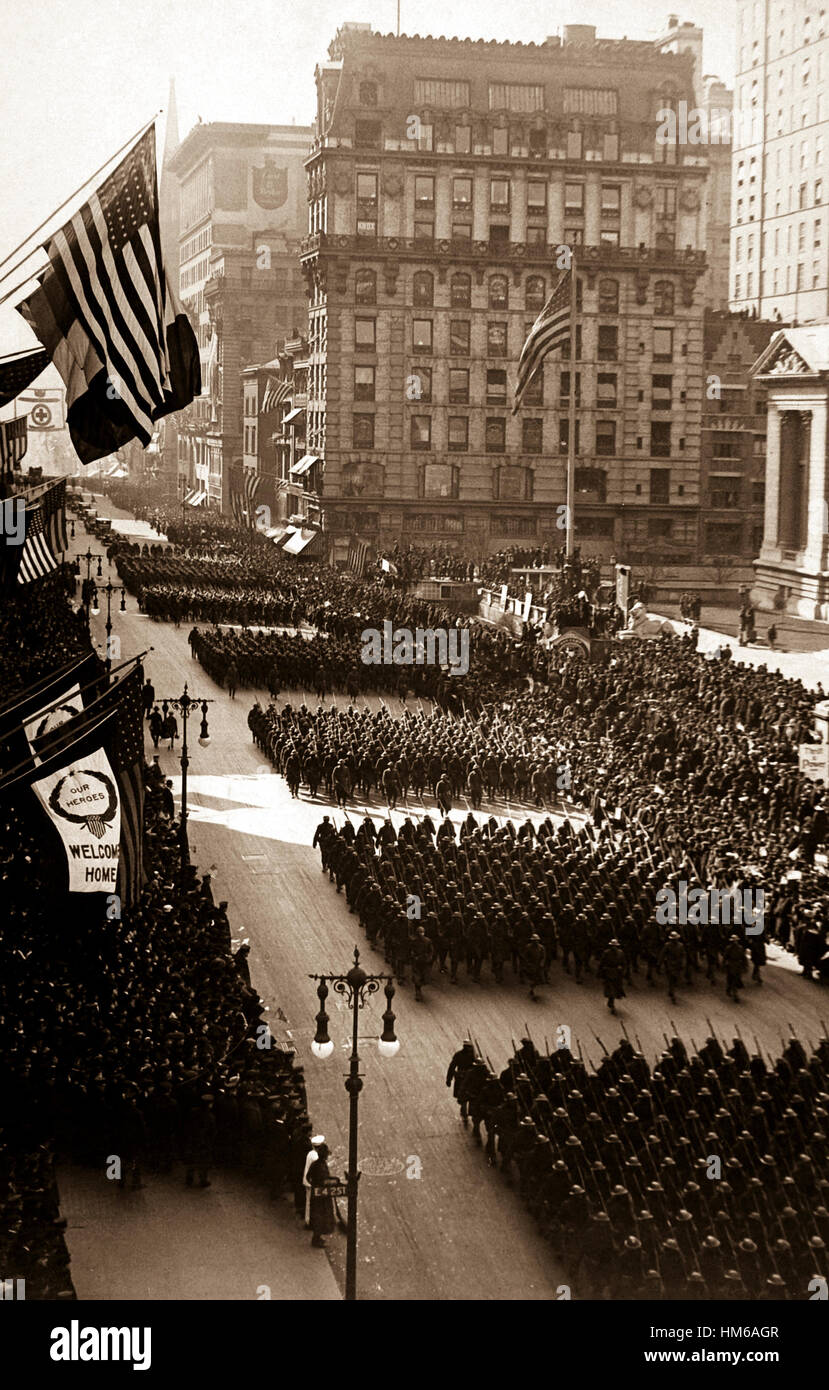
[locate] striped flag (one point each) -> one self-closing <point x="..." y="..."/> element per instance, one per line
<point x="18" y="372"/>
<point x="14" y="441"/>
<point x="274" y="394"/>
<point x="53" y="504"/>
<point x="37" y="559"/>
<point x="126" y="755"/>
<point x="108" y="318"/>
<point x="550" y="330"/>
<point x="252" y="484"/>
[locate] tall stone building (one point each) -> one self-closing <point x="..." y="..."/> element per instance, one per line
<point x="780" y="163"/>
<point x="442" y="177"/>
<point x="242" y="212"/>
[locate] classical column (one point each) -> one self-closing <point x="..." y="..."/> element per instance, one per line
<point x="816" y="515"/>
<point x="770" y="524"/>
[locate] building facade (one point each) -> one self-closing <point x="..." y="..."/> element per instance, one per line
<point x="733" y="456"/>
<point x="275" y="397"/>
<point x="241" y="214"/>
<point x="443" y="177"/>
<point x="780" y="161"/>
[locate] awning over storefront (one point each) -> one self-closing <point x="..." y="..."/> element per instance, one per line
<point x="305" y="463"/>
<point x="293" y="414"/>
<point x="300" y="542"/>
<point x="275" y="533"/>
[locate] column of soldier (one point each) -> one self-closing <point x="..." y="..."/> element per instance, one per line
<point x="704" y="1177"/>
<point x="138" y="1037"/>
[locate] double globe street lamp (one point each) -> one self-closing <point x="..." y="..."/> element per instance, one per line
<point x="185" y="703"/>
<point x="109" y="589"/>
<point x="356" y="987"/>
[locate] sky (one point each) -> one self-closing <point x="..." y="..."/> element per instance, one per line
<point x="81" y="76"/>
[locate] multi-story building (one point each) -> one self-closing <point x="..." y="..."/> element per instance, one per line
<point x="242" y="212"/>
<point x="275" y="440"/>
<point x="443" y="176"/>
<point x="733" y="455"/>
<point x="780" y="163"/>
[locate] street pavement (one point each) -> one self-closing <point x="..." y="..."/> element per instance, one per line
<point x="435" y="1221"/>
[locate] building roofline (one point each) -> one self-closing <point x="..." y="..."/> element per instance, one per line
<point x="205" y="135"/>
<point x="599" y="51"/>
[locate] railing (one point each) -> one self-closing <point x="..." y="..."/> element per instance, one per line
<point x="586" y="256"/>
<point x="755" y="423"/>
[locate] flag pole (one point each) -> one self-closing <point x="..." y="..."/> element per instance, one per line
<point x="571" y="425"/>
<point x="132" y="140"/>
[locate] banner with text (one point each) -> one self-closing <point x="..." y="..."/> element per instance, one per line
<point x="83" y="804"/>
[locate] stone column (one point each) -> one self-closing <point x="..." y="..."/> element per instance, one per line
<point x="816" y="523"/>
<point x="769" y="549"/>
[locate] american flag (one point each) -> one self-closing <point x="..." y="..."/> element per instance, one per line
<point x="18" y="372"/>
<point x="550" y="330"/>
<point x="14" y="441"/>
<point x="273" y="395"/>
<point x="53" y="504"/>
<point x="126" y="755"/>
<point x="252" y="485"/>
<point x="105" y="313"/>
<point x="37" y="559"/>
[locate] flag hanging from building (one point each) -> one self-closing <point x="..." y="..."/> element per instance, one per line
<point x="45" y="407"/>
<point x="105" y="313"/>
<point x="53" y="504"/>
<point x="36" y="560"/>
<point x="14" y="441"/>
<point x="358" y="555"/>
<point x="550" y="330"/>
<point x="252" y="484"/>
<point x="127" y="756"/>
<point x="274" y="394"/>
<point x="16" y="373"/>
<point x="34" y="720"/>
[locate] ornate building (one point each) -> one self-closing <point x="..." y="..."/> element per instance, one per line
<point x="792" y="573"/>
<point x="242" y="211"/>
<point x="442" y="177"/>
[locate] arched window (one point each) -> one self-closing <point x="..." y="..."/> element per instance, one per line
<point x="535" y="293"/>
<point x="365" y="287"/>
<point x="368" y="93"/>
<point x="461" y="291"/>
<point x="498" y="292"/>
<point x="663" y="297"/>
<point x="423" y="288"/>
<point x="608" y="296"/>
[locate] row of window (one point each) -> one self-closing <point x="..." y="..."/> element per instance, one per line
<point x="419" y="387"/>
<point x="795" y="278"/>
<point x="501" y="198"/>
<point x="447" y="94"/>
<point x="495" y="435"/>
<point x="460" y="334"/>
<point x="500" y="141"/>
<point x="817" y="240"/>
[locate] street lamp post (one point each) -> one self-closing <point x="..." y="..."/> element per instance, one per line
<point x="185" y="703"/>
<point x="88" y="588"/>
<point x="109" y="589"/>
<point x="356" y="987"/>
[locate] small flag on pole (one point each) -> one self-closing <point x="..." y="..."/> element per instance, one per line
<point x="274" y="394"/>
<point x="550" y="330"/>
<point x="16" y="373"/>
<point x="14" y="441"/>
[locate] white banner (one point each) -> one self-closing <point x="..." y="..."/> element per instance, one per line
<point x="83" y="804"/>
<point x="622" y="587"/>
<point x="813" y="761"/>
<point x="528" y="598"/>
<point x="50" y="718"/>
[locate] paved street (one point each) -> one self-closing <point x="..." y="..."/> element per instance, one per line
<point x="435" y="1222"/>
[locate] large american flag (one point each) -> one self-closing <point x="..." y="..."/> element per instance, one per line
<point x="550" y="330"/>
<point x="106" y="314"/>
<point x="252" y="484"/>
<point x="37" y="559"/>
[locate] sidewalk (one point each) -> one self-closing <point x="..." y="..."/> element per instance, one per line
<point x="170" y="1242"/>
<point x="809" y="666"/>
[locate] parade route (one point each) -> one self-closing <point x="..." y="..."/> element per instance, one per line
<point x="435" y="1222"/>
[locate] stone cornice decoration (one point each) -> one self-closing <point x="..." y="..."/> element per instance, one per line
<point x="788" y="363"/>
<point x="642" y="196"/>
<point x="505" y="253"/>
<point x="342" y="180"/>
<point x="393" y="180"/>
<point x="689" y="201"/>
